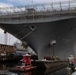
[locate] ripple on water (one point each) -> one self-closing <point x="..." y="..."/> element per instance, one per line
<point x="6" y="72"/>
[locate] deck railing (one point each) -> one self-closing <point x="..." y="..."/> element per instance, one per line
<point x="37" y="11"/>
<point x="52" y="6"/>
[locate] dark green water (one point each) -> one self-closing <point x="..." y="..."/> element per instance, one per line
<point x="4" y="70"/>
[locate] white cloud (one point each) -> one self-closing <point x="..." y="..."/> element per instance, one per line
<point x="8" y="8"/>
<point x="2" y="5"/>
<point x="1" y="31"/>
<point x="47" y="1"/>
<point x="21" y="1"/>
<point x="10" y="38"/>
<point x="36" y="1"/>
<point x="1" y="39"/>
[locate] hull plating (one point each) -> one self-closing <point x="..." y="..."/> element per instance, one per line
<point x="64" y="32"/>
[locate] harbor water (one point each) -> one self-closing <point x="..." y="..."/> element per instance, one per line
<point x="4" y="70"/>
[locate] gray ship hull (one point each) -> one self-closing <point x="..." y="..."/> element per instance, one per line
<point x="39" y="35"/>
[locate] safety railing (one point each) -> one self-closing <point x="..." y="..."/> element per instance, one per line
<point x="38" y="11"/>
<point x="54" y="6"/>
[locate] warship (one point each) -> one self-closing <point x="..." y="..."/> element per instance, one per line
<point x="49" y="29"/>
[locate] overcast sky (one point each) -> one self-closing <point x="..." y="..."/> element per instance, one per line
<point x="10" y="38"/>
<point x="25" y="2"/>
